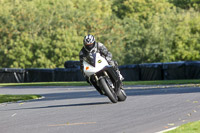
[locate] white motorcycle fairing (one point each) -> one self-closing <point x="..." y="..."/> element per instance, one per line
<point x="103" y="77"/>
<point x="99" y="64"/>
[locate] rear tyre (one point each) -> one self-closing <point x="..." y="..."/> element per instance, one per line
<point x="109" y="92"/>
<point x="121" y="96"/>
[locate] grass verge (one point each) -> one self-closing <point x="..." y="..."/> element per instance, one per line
<point x="14" y="98"/>
<point x="83" y="83"/>
<point x="46" y="84"/>
<point x="192" y="127"/>
<point x="162" y="82"/>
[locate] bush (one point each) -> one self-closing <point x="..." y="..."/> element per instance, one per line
<point x="46" y="33"/>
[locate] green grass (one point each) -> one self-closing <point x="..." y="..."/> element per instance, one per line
<point x="14" y="98"/>
<point x="83" y="83"/>
<point x="46" y="84"/>
<point x="192" y="127"/>
<point x="163" y="82"/>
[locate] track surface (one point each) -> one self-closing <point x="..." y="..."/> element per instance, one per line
<point x="148" y="109"/>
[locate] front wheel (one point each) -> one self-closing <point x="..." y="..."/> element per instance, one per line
<point x="109" y="92"/>
<point x="121" y="95"/>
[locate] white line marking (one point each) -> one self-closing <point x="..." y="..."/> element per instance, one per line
<point x="72" y="124"/>
<point x="13" y="114"/>
<point x="167" y="130"/>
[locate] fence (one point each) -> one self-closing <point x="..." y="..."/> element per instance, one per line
<point x="71" y="72"/>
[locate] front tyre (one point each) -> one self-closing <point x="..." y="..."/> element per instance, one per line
<point x="109" y="92"/>
<point x="121" y="95"/>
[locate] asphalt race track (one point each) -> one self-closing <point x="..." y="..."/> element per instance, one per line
<point x="148" y="109"/>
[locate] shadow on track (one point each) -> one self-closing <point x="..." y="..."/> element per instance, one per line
<point x="66" y="105"/>
<point x="70" y="95"/>
<point x="95" y="94"/>
<point x="129" y="92"/>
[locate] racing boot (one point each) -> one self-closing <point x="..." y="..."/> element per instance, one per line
<point x="115" y="66"/>
<point x="121" y="78"/>
<point x="119" y="74"/>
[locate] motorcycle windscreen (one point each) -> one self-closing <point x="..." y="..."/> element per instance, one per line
<point x="91" y="59"/>
<point x="98" y="64"/>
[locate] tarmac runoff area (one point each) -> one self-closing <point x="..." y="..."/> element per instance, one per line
<point x="148" y="109"/>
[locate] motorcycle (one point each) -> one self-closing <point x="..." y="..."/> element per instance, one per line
<point x="103" y="77"/>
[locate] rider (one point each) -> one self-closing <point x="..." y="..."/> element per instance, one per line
<point x="91" y="46"/>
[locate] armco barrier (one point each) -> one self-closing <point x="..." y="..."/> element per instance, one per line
<point x="174" y="70"/>
<point x="149" y="71"/>
<point x="11" y="75"/>
<point x="192" y="69"/>
<point x="39" y="75"/>
<point x="69" y="74"/>
<point x="130" y="72"/>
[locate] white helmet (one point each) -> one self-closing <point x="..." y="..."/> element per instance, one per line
<point x="89" y="42"/>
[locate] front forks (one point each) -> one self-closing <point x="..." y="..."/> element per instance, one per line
<point x="96" y="77"/>
<point x="107" y="79"/>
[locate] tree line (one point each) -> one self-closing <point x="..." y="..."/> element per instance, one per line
<point x="46" y="33"/>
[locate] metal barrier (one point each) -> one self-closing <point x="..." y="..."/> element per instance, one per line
<point x="148" y="71"/>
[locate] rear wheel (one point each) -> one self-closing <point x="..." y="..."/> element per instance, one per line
<point x="109" y="92"/>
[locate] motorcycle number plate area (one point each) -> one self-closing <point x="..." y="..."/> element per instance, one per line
<point x="100" y="63"/>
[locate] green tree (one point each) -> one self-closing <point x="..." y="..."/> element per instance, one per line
<point x="46" y="33"/>
<point x="186" y="44"/>
<point x="140" y="10"/>
<point x="187" y="4"/>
